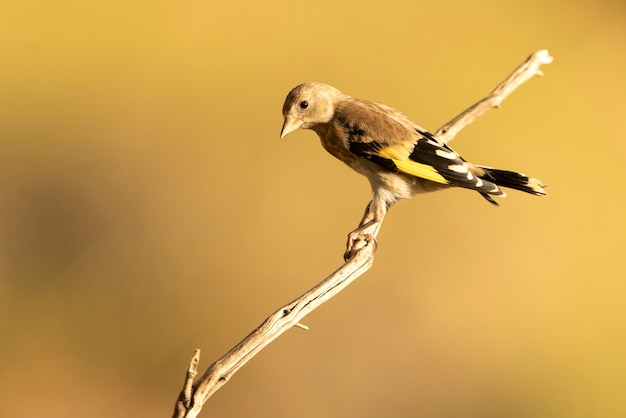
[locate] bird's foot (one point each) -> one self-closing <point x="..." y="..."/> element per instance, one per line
<point x="358" y="239"/>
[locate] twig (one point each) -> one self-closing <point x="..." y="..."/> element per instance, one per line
<point x="277" y="323"/>
<point x="521" y="74"/>
<point x="193" y="397"/>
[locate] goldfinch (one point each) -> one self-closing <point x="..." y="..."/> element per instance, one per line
<point x="399" y="158"/>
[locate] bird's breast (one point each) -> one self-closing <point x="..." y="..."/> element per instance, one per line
<point x="333" y="141"/>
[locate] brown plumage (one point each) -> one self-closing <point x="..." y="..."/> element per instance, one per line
<point x="398" y="157"/>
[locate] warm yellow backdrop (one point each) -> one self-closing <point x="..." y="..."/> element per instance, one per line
<point x="147" y="207"/>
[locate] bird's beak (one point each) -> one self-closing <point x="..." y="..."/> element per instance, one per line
<point x="290" y="125"/>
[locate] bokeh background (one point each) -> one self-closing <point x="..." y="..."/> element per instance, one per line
<point x="147" y="207"/>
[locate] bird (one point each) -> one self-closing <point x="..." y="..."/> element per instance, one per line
<point x="398" y="157"/>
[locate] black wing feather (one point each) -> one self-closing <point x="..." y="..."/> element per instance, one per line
<point x="368" y="151"/>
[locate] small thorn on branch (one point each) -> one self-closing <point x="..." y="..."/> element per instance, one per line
<point x="301" y="326"/>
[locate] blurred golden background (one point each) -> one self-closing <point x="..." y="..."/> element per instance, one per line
<point x="147" y="207"/>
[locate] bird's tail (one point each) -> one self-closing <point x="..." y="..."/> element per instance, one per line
<point x="513" y="180"/>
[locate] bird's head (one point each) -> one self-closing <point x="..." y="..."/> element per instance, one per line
<point x="309" y="105"/>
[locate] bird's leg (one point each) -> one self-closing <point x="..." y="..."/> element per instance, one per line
<point x="367" y="216"/>
<point x="368" y="228"/>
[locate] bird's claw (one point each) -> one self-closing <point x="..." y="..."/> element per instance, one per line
<point x="357" y="240"/>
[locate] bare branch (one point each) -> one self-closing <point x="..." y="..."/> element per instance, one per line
<point x="277" y="323"/>
<point x="184" y="400"/>
<point x="193" y="397"/>
<point x="521" y="74"/>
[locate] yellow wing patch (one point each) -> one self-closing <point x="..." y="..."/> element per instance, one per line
<point x="419" y="170"/>
<point x="394" y="152"/>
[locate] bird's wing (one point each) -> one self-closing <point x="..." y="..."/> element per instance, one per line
<point x="388" y="138"/>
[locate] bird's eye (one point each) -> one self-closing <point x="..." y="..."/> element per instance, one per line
<point x="304" y="104"/>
